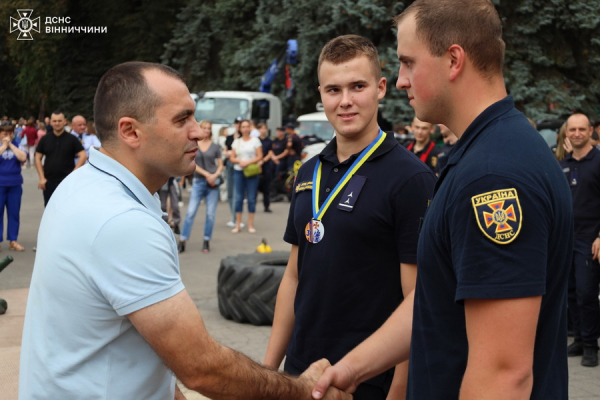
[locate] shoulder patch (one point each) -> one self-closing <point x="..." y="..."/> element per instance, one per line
<point x="498" y="214"/>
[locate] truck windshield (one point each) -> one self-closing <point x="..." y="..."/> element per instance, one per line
<point x="220" y="111"/>
<point x="321" y="129"/>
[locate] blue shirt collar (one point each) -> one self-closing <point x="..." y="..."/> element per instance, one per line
<point x="132" y="185"/>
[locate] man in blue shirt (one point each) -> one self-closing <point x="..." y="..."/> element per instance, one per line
<point x="489" y="316"/>
<point x="108" y="316"/>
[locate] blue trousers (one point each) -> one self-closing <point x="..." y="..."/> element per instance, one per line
<point x="201" y="189"/>
<point x="243" y="186"/>
<point x="10" y="198"/>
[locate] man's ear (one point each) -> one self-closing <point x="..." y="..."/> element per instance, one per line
<point x="457" y="58"/>
<point x="381" y="87"/>
<point x="128" y="131"/>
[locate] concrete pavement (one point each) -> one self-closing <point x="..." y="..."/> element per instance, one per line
<point x="199" y="274"/>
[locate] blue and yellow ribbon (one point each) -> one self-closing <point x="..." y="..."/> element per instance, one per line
<point x="362" y="158"/>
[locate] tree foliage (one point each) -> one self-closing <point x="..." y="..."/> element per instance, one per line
<point x="61" y="71"/>
<point x="552" y="49"/>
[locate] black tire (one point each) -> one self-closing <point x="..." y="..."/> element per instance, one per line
<point x="3" y="306"/>
<point x="247" y="286"/>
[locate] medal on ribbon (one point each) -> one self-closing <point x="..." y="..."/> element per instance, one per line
<point x="315" y="230"/>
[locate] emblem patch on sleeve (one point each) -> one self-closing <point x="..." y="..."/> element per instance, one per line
<point x="498" y="214"/>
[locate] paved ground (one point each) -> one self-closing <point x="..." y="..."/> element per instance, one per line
<point x="199" y="273"/>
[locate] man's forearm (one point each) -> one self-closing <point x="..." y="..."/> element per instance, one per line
<point x="236" y="377"/>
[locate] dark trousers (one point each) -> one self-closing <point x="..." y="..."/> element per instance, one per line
<point x="584" y="281"/>
<point x="50" y="188"/>
<point x="10" y="198"/>
<point x="266" y="181"/>
<point x="364" y="391"/>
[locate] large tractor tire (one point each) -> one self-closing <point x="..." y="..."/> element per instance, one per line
<point x="247" y="286"/>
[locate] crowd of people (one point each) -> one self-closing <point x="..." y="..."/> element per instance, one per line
<point x="418" y="271"/>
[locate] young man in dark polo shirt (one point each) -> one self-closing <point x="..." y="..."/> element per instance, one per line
<point x="423" y="147"/>
<point x="489" y="316"/>
<point x="353" y="225"/>
<point x="59" y="149"/>
<point x="582" y="169"/>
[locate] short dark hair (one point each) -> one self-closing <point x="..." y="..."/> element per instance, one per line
<point x="7" y="128"/>
<point x="124" y="92"/>
<point x="57" y="112"/>
<point x="348" y="47"/>
<point x="472" y="24"/>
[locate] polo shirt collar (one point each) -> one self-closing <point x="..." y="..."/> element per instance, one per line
<point x="477" y="126"/>
<point x="329" y="153"/>
<point x="133" y="186"/>
<point x="589" y="156"/>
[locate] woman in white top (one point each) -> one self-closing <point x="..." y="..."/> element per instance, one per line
<point x="245" y="151"/>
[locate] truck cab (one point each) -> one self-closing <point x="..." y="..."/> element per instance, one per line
<point x="223" y="107"/>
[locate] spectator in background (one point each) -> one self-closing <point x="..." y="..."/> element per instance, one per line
<point x="205" y="184"/>
<point x="423" y="146"/>
<point x="229" y="170"/>
<point x="42" y="129"/>
<point x="59" y="150"/>
<point x="267" y="166"/>
<point x="294" y="146"/>
<point x="245" y="151"/>
<point x="280" y="151"/>
<point x="582" y="169"/>
<point x="169" y="194"/>
<point x="29" y="138"/>
<point x="450" y="140"/>
<point x="11" y="185"/>
<point x="48" y="125"/>
<point x="79" y="130"/>
<point x="563" y="145"/>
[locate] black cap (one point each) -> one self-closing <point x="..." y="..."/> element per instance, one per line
<point x="238" y="119"/>
<point x="280" y="128"/>
<point x="290" y="125"/>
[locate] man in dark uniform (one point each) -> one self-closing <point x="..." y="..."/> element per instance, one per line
<point x="353" y="225"/>
<point x="59" y="149"/>
<point x="582" y="169"/>
<point x="489" y="316"/>
<point x="294" y="146"/>
<point x="423" y="147"/>
<point x="280" y="150"/>
<point x="450" y="140"/>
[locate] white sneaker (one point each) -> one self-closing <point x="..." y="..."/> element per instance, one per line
<point x="231" y="224"/>
<point x="242" y="225"/>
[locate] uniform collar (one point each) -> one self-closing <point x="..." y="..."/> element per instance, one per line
<point x="590" y="155"/>
<point x="133" y="186"/>
<point x="477" y="126"/>
<point x="329" y="153"/>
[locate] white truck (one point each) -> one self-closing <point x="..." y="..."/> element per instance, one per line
<point x="316" y="131"/>
<point x="223" y="107"/>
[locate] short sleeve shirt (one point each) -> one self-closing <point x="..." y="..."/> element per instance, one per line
<point x="207" y="160"/>
<point x="245" y="149"/>
<point x="60" y="152"/>
<point x="499" y="226"/>
<point x="10" y="168"/>
<point x="349" y="282"/>
<point x="103" y="252"/>
<point x="584" y="180"/>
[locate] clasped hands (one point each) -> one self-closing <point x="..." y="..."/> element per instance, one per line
<point x="329" y="382"/>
